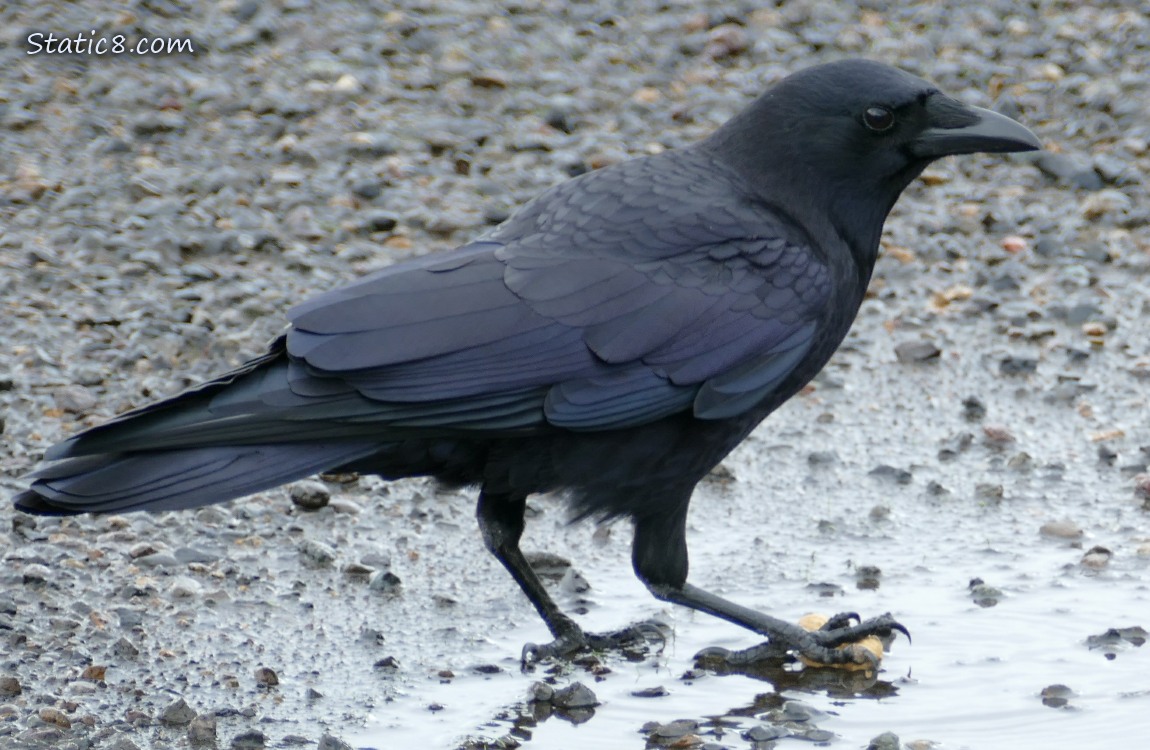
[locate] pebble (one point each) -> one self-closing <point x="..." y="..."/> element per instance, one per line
<point x="982" y="594"/>
<point x="1097" y="558"/>
<point x="75" y="399"/>
<point x="54" y="716"/>
<point x="675" y="729"/>
<point x="158" y="560"/>
<point x="250" y="740"/>
<point x="891" y="474"/>
<point x="1061" y="530"/>
<point x="1056" y="696"/>
<point x="385" y="582"/>
<point x="367" y="189"/>
<point x="202" y="730"/>
<point x="910" y="352"/>
<point x="884" y="741"/>
<point x="36" y="575"/>
<point x="651" y="692"/>
<point x="125" y="649"/>
<point x="316" y="554"/>
<point x="765" y="733"/>
<point x="266" y="677"/>
<point x="989" y="491"/>
<point x="383" y="221"/>
<point x="973" y="410"/>
<point x="387" y="662"/>
<point x="331" y="742"/>
<point x="187" y="555"/>
<point x="1069" y="170"/>
<point x="348" y="507"/>
<point x="575" y="695"/>
<point x="10" y="687"/>
<point x="123" y="743"/>
<point x="1018" y="366"/>
<point x="541" y="692"/>
<point x="310" y="495"/>
<point x="178" y="713"/>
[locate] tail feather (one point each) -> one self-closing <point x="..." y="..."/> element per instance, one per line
<point x="177" y="479"/>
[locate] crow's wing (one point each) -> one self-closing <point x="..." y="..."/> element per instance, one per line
<point x="624" y="296"/>
<point x="611" y="301"/>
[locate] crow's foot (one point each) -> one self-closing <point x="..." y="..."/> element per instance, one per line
<point x="574" y="641"/>
<point x="836" y="643"/>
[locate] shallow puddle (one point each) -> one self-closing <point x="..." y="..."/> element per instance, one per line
<point x="974" y="675"/>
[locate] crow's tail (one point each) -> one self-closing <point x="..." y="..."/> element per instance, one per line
<point x="177" y="478"/>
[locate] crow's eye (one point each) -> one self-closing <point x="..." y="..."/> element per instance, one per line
<point x="878" y="119"/>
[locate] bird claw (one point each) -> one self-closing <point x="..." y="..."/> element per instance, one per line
<point x="835" y="643"/>
<point x="575" y="640"/>
<point x="841" y="620"/>
<point x="534" y="653"/>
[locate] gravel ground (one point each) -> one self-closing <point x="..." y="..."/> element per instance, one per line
<point x="159" y="212"/>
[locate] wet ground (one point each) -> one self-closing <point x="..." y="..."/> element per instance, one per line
<point x="974" y="460"/>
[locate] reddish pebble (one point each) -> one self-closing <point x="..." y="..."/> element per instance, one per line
<point x="1014" y="244"/>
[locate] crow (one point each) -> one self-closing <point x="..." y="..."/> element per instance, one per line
<point x="613" y="339"/>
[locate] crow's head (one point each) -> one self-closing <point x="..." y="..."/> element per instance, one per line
<point x="849" y="136"/>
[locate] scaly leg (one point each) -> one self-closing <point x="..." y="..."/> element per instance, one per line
<point x="501" y="522"/>
<point x="659" y="554"/>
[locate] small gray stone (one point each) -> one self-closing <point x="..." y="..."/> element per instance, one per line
<point x="675" y="729"/>
<point x="1068" y="170"/>
<point x="891" y="474"/>
<point x="983" y="595"/>
<point x="177" y="713"/>
<point x="1018" y="366"/>
<point x="540" y="692"/>
<point x="267" y="677"/>
<point x="1056" y="696"/>
<point x="35" y="574"/>
<point x="316" y="553"/>
<point x="368" y="190"/>
<point x="75" y="399"/>
<point x="884" y="741"/>
<point x="385" y="582"/>
<point x="310" y="495"/>
<point x="158" y="560"/>
<point x="250" y="740"/>
<point x="123" y="743"/>
<point x="188" y="555"/>
<point x="125" y="649"/>
<point x="765" y="733"/>
<point x="155" y="123"/>
<point x="822" y="458"/>
<point x="1061" y="530"/>
<point x="910" y="352"/>
<point x="202" y="730"/>
<point x="380" y="221"/>
<point x="185" y="587"/>
<point x="575" y="695"/>
<point x="10" y="687"/>
<point x="330" y="742"/>
<point x="1113" y="169"/>
<point x="371" y="145"/>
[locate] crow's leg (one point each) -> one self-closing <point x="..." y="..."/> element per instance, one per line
<point x="501" y="522"/>
<point x="659" y="554"/>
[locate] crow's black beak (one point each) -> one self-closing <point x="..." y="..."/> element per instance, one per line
<point x="956" y="128"/>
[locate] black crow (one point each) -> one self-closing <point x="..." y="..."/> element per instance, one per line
<point x="615" y="339"/>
